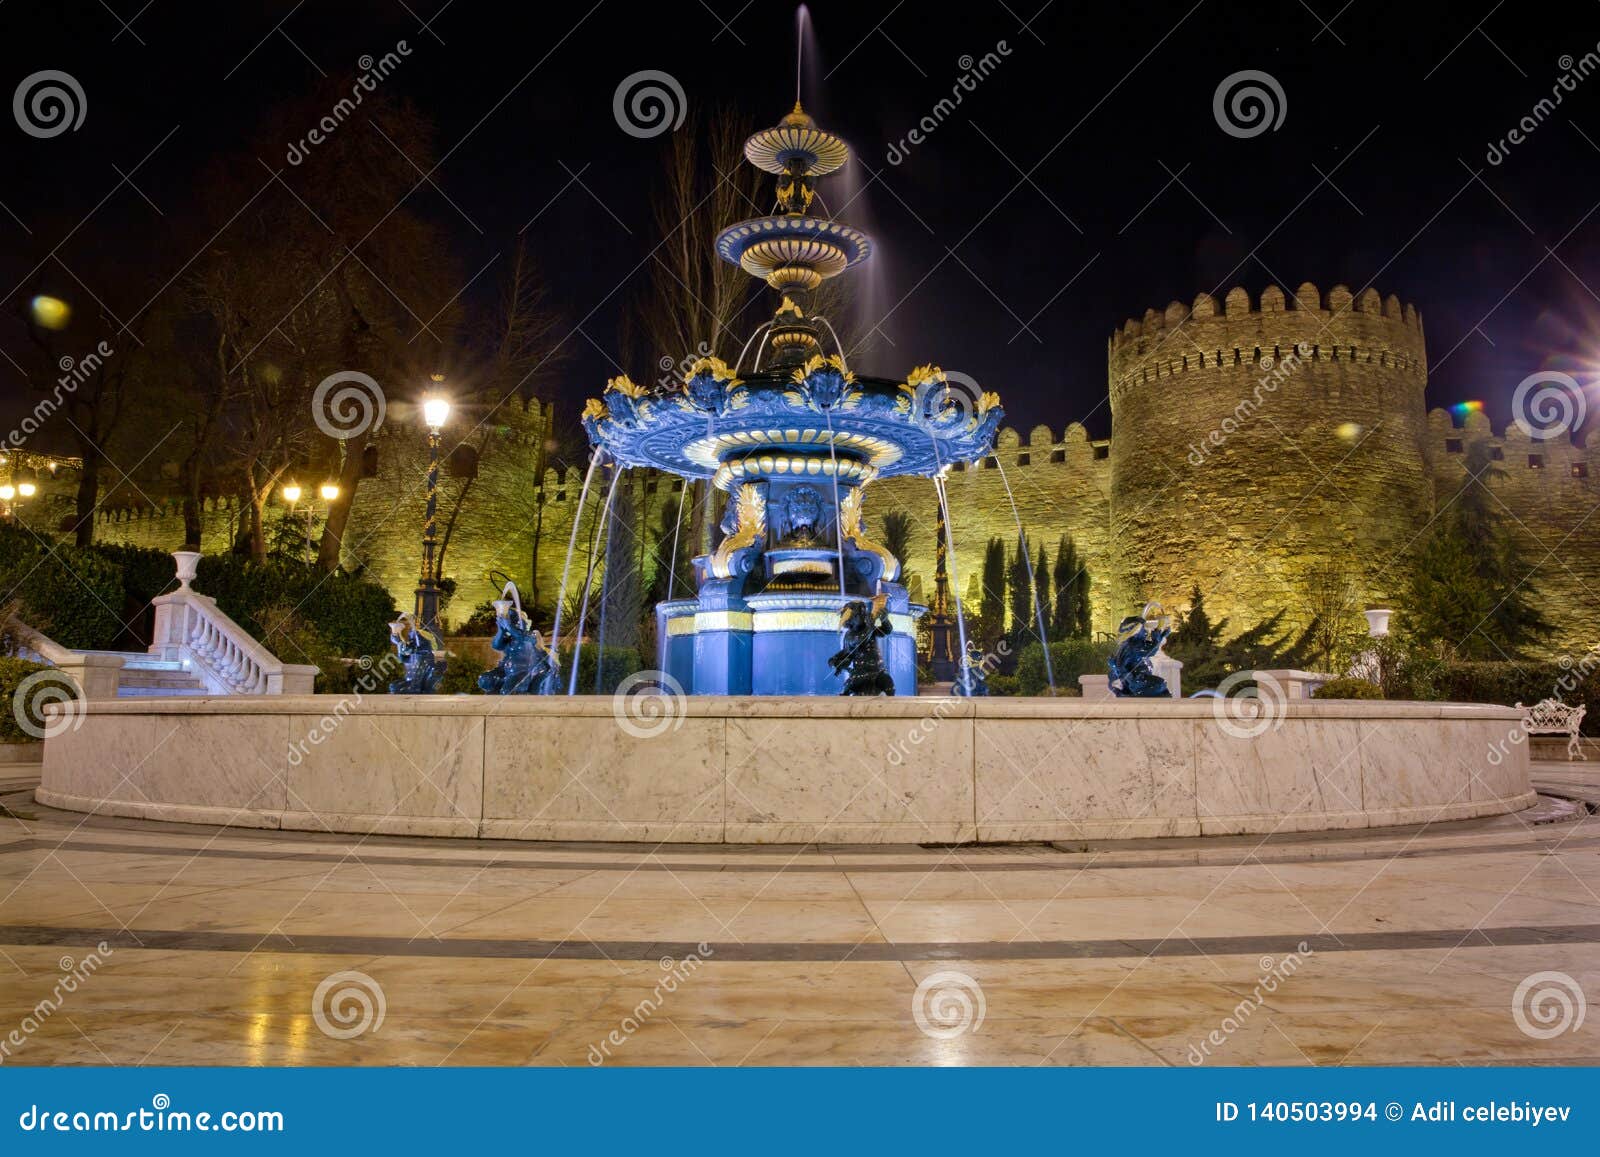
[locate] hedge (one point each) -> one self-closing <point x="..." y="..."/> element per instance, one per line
<point x="620" y="662"/>
<point x="349" y="614"/>
<point x="1527" y="683"/>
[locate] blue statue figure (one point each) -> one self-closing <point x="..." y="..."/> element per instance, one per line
<point x="417" y="648"/>
<point x="526" y="666"/>
<point x="859" y="660"/>
<point x="1139" y="638"/>
<point x="973" y="679"/>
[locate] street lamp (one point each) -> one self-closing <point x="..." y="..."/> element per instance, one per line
<point x="435" y="412"/>
<point x="292" y="494"/>
<point x="12" y="495"/>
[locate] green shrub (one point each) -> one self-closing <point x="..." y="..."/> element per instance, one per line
<point x="12" y="673"/>
<point x="1348" y="689"/>
<point x="74" y="596"/>
<point x="1408" y="669"/>
<point x="461" y="676"/>
<point x="1069" y="658"/>
<point x="1004" y="685"/>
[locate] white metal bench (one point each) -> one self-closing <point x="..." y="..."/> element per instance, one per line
<point x="1553" y="717"/>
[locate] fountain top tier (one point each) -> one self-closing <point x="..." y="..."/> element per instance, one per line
<point x="805" y="413"/>
<point x="791" y="250"/>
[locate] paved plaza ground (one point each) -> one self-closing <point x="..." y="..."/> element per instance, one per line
<point x="1398" y="946"/>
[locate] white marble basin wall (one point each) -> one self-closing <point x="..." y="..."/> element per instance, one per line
<point x="785" y="770"/>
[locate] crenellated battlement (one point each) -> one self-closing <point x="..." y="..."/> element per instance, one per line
<point x="1042" y="448"/>
<point x="1360" y="328"/>
<point x="1550" y="462"/>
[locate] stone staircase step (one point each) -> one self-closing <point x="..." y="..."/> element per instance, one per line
<point x="146" y="676"/>
<point x="135" y="662"/>
<point x="158" y="692"/>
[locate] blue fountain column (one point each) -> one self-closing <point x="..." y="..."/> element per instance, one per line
<point x="722" y="640"/>
<point x="675" y="640"/>
<point x="900" y="646"/>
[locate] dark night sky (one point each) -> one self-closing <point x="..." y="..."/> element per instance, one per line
<point x="1098" y="105"/>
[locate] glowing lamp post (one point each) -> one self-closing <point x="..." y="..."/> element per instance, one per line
<point x="291" y="495"/>
<point x="435" y="412"/>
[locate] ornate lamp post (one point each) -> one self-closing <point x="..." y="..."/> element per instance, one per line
<point x="435" y="412"/>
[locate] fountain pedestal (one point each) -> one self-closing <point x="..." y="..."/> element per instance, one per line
<point x="767" y="617"/>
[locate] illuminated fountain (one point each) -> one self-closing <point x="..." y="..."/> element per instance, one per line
<point x="792" y="437"/>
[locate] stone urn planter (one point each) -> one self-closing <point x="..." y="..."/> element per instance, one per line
<point x="188" y="564"/>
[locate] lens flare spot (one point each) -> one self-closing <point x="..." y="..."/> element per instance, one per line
<point x="50" y="312"/>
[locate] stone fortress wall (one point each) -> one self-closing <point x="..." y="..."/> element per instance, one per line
<point x="1259" y="442"/>
<point x="1256" y="443"/>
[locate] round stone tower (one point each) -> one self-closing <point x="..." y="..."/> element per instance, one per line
<point x="1257" y="451"/>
